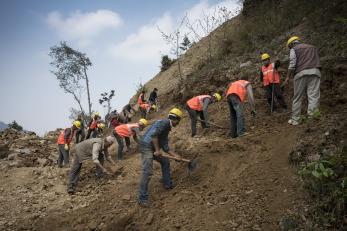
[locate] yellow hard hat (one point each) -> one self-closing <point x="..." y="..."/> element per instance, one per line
<point x="217" y="96"/>
<point x="101" y="125"/>
<point x="96" y="114"/>
<point x="265" y="56"/>
<point x="154" y="107"/>
<point x="292" y="39"/>
<point x="176" y="112"/>
<point x="77" y="123"/>
<point x="144" y="122"/>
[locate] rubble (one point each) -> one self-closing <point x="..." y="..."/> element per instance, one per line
<point x="26" y="149"/>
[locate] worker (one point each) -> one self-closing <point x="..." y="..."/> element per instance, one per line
<point x="125" y="131"/>
<point x="127" y="112"/>
<point x="236" y="93"/>
<point x="80" y="133"/>
<point x="145" y="108"/>
<point x="92" y="126"/>
<point x="304" y="66"/>
<point x="64" y="140"/>
<point x="153" y="97"/>
<point x="95" y="149"/>
<point x="270" y="77"/>
<point x="198" y="105"/>
<point x="141" y="98"/>
<point x="101" y="126"/>
<point x="153" y="143"/>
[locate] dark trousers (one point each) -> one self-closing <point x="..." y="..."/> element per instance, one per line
<point x="277" y="94"/>
<point x="193" y="114"/>
<point x="237" y="119"/>
<point x="76" y="169"/>
<point x="80" y="135"/>
<point x="63" y="155"/>
<point x="143" y="113"/>
<point x="92" y="133"/>
<point x="121" y="145"/>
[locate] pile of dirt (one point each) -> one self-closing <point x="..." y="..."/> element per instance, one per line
<point x="26" y="149"/>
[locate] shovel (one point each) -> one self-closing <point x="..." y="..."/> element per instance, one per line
<point x="213" y="124"/>
<point x="191" y="163"/>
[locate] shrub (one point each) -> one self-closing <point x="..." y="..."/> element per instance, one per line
<point x="326" y="181"/>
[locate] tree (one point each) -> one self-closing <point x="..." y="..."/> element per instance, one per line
<point x="174" y="39"/>
<point x="15" y="125"/>
<point x="165" y="62"/>
<point x="186" y="44"/>
<point x="106" y="98"/>
<point x="71" y="66"/>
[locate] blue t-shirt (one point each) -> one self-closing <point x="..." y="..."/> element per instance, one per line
<point x="160" y="129"/>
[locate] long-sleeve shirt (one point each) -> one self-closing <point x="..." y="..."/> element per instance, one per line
<point x="292" y="66"/>
<point x="250" y="97"/>
<point x="206" y="102"/>
<point x="91" y="149"/>
<point x="153" y="96"/>
<point x="161" y="130"/>
<point x="67" y="135"/>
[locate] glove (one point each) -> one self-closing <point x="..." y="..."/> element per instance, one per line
<point x="66" y="147"/>
<point x="253" y="113"/>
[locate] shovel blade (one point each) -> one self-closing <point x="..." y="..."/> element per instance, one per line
<point x="192" y="166"/>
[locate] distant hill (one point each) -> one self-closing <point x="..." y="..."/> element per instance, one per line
<point x="3" y="126"/>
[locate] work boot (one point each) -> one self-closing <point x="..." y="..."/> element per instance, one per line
<point x="70" y="191"/>
<point x="172" y="186"/>
<point x="293" y="122"/>
<point x="144" y="204"/>
<point x="244" y="134"/>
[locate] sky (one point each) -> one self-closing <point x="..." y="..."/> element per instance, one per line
<point x="120" y="37"/>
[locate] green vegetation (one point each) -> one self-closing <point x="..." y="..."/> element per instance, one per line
<point x="326" y="181"/>
<point x="15" y="125"/>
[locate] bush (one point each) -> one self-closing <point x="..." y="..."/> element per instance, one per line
<point x="326" y="181"/>
<point x="15" y="125"/>
<point x="166" y="62"/>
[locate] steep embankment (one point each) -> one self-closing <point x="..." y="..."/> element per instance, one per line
<point x="240" y="184"/>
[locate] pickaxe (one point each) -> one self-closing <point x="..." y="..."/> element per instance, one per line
<point x="191" y="163"/>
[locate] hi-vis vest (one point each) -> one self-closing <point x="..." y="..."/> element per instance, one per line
<point x="125" y="130"/>
<point x="270" y="75"/>
<point x="196" y="103"/>
<point x="139" y="100"/>
<point x="61" y="139"/>
<point x="145" y="106"/>
<point x="94" y="124"/>
<point x="238" y="88"/>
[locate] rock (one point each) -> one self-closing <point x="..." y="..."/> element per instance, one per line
<point x="25" y="151"/>
<point x="126" y="197"/>
<point x="246" y="64"/>
<point x="149" y="219"/>
<point x="12" y="156"/>
<point x="209" y="204"/>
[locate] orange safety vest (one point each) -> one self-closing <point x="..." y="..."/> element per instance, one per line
<point x="145" y="106"/>
<point x="125" y="130"/>
<point x="197" y="102"/>
<point x="61" y="139"/>
<point x="139" y="100"/>
<point x="270" y="75"/>
<point x="94" y="124"/>
<point x="238" y="88"/>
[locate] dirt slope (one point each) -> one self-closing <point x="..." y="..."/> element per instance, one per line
<point x="240" y="184"/>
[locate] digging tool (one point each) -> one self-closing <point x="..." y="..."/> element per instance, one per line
<point x="213" y="124"/>
<point x="191" y="163"/>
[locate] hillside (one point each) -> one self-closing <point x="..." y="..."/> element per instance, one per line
<point x="248" y="183"/>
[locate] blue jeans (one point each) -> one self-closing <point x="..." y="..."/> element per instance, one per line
<point x="237" y="119"/>
<point x="147" y="157"/>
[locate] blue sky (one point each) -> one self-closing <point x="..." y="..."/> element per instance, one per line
<point x="119" y="36"/>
